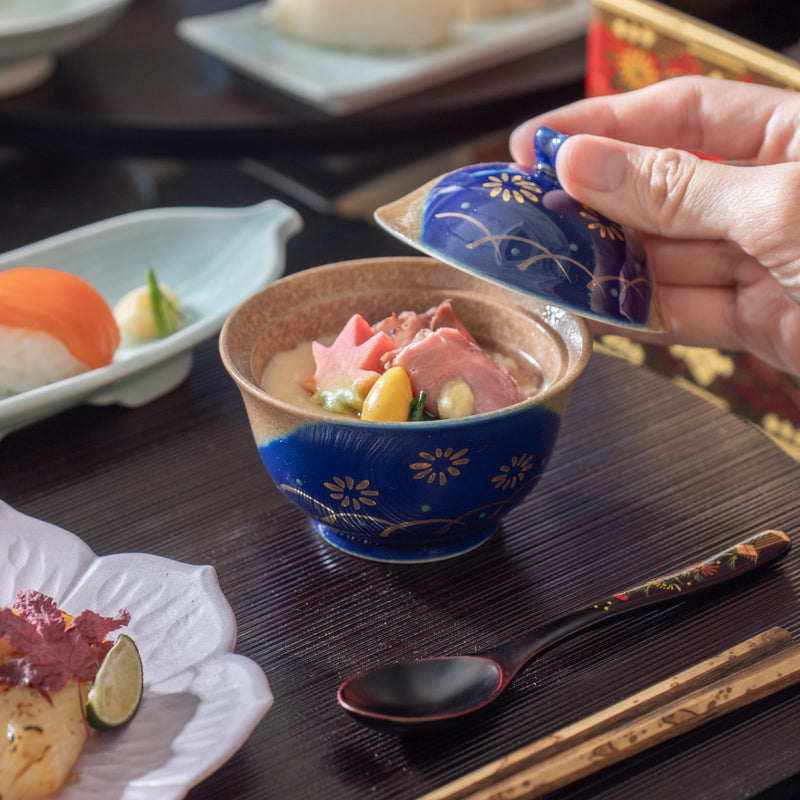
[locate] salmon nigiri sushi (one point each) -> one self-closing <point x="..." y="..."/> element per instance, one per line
<point x="53" y="325"/>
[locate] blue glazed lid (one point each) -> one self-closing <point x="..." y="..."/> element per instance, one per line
<point x="515" y="225"/>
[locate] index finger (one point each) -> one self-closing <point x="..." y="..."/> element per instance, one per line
<point x="729" y="119"/>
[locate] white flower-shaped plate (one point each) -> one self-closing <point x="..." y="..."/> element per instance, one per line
<point x="214" y="258"/>
<point x="33" y="32"/>
<point x="342" y="82"/>
<point x="201" y="701"/>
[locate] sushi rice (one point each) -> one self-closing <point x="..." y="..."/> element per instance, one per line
<point x="53" y="325"/>
<point x="31" y="358"/>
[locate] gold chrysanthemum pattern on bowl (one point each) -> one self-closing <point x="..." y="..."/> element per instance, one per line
<point x="513" y="473"/>
<point x="357" y="500"/>
<point x="352" y="495"/>
<point x="439" y="465"/>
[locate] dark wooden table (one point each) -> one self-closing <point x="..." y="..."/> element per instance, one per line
<point x="646" y="476"/>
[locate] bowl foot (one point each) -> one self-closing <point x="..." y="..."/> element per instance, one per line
<point x="406" y="553"/>
<point x="18" y="77"/>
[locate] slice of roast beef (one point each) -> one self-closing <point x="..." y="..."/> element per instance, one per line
<point x="435" y="358"/>
<point x="403" y="327"/>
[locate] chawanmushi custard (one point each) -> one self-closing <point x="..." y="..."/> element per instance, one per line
<point x="407" y="367"/>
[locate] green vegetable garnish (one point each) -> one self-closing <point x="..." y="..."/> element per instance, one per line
<point x="416" y="408"/>
<point x="156" y="303"/>
<point x="166" y="315"/>
<point x="342" y="399"/>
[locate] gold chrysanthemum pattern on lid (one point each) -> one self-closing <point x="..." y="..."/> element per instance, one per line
<point x="605" y="227"/>
<point x="512" y="187"/>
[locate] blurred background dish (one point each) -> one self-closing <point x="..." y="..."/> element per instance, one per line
<point x="342" y="81"/>
<point x="34" y="32"/>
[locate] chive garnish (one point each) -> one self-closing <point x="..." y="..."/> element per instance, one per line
<point x="167" y="314"/>
<point x="416" y="408"/>
<point x="156" y="303"/>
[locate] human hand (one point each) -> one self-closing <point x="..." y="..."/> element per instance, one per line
<point x="723" y="240"/>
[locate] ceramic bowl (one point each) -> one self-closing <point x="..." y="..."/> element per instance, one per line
<point x="403" y="492"/>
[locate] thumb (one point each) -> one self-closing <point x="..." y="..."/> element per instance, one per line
<point x="672" y="193"/>
<point x="662" y="191"/>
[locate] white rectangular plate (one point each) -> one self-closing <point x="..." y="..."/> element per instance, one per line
<point x="342" y="82"/>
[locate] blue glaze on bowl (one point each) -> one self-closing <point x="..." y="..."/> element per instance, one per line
<point x="440" y="494"/>
<point x="516" y="225"/>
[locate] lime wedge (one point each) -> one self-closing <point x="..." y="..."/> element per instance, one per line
<point x="117" y="689"/>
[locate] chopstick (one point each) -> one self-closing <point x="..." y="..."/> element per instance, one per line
<point x="747" y="672"/>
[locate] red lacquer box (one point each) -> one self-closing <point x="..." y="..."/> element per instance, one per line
<point x="633" y="43"/>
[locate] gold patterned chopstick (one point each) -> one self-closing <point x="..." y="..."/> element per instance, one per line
<point x="743" y="674"/>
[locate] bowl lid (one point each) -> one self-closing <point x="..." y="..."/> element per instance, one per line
<point x="515" y="225"/>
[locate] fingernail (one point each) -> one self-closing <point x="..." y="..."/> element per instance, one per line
<point x="596" y="164"/>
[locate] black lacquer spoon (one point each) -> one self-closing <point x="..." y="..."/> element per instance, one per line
<point x="429" y="693"/>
